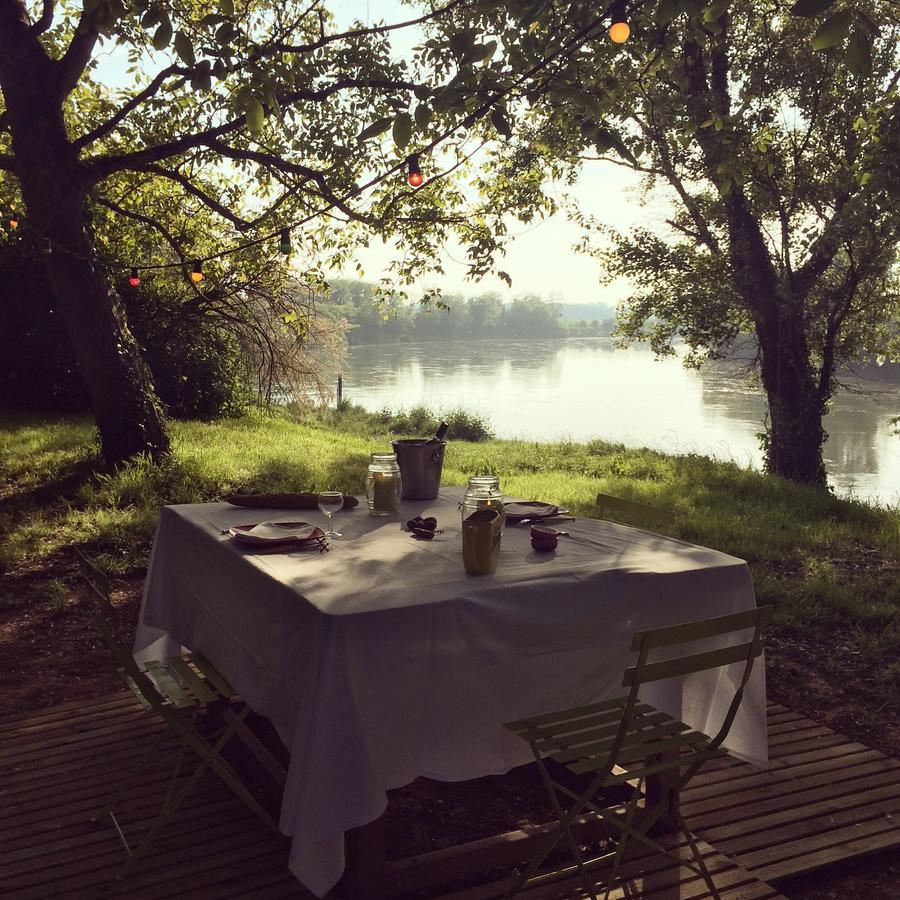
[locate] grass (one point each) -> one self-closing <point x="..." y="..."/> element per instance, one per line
<point x="823" y="561"/>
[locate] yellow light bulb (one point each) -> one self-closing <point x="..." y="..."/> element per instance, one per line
<point x="619" y="32"/>
<point x="196" y="277"/>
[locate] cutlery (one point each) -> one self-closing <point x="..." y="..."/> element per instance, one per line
<point x="546" y="520"/>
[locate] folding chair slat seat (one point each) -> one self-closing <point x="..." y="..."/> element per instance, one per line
<point x="584" y="751"/>
<point x="177" y="690"/>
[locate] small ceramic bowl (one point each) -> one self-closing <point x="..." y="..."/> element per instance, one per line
<point x="543" y="538"/>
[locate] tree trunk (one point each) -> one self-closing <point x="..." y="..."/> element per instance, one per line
<point x="793" y="442"/>
<point x="116" y="377"/>
<point x="54" y="188"/>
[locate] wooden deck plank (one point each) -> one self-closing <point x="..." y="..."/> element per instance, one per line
<point x="823" y="799"/>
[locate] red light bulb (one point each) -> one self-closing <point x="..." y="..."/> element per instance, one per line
<point x="134" y="280"/>
<point x="415" y="178"/>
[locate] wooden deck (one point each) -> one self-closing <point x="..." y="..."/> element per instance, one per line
<point x="824" y="799"/>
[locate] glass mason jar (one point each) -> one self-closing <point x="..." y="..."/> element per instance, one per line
<point x="483" y="492"/>
<point x="383" y="484"/>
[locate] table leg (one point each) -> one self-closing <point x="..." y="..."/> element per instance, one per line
<point x="364" y="867"/>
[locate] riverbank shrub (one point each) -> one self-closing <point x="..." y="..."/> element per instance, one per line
<point x="419" y="421"/>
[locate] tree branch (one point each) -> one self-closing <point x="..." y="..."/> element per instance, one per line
<point x="191" y="188"/>
<point x="170" y="238"/>
<point x="282" y="165"/>
<point x="101" y="166"/>
<point x="78" y="54"/>
<point x="46" y="19"/>
<point x="107" y="126"/>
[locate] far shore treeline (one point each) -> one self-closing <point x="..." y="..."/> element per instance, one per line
<point x="482" y="316"/>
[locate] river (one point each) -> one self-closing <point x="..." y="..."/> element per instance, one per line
<point x="584" y="388"/>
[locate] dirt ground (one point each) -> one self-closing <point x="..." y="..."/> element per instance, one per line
<point x="50" y="654"/>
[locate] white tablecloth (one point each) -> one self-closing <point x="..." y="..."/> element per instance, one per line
<point x="381" y="660"/>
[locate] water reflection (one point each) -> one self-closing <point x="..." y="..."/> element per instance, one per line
<point x="584" y="389"/>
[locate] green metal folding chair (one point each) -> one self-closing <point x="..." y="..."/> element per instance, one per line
<point x="582" y="751"/>
<point x="178" y="690"/>
<point x="627" y="511"/>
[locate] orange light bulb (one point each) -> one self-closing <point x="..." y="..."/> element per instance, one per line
<point x="197" y="272"/>
<point x="619" y="32"/>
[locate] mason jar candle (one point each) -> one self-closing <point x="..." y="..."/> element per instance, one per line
<point x="483" y="492"/>
<point x="383" y="484"/>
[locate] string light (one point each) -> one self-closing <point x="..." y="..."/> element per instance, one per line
<point x="619" y="30"/>
<point x="284" y="244"/>
<point x="134" y="280"/>
<point x="415" y="177"/>
<point x="48" y="250"/>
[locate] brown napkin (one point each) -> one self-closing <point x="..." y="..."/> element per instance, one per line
<point x="531" y="509"/>
<point x="282" y="501"/>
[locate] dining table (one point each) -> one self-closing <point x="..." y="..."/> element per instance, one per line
<point x="382" y="660"/>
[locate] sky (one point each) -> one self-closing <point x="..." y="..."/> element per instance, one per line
<point x="540" y="258"/>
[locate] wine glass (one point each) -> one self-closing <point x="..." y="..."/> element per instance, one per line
<point x="331" y="502"/>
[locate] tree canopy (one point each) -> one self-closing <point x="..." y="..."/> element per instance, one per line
<point x="271" y="116"/>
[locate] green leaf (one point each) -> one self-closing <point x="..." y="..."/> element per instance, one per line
<point x="716" y="10"/>
<point x="184" y="49"/>
<point x="256" y="115"/>
<point x="163" y="35"/>
<point x="90" y="5"/>
<point x="150" y="18"/>
<point x="859" y="52"/>
<point x="226" y="7"/>
<point x="376" y="128"/>
<point x="665" y="12"/>
<point x="832" y="31"/>
<point x="423" y="115"/>
<point x="498" y="120"/>
<point x="225" y="33"/>
<point x="490" y="48"/>
<point x="200" y="77"/>
<point x="271" y="97"/>
<point x="809" y="9"/>
<point x="402" y="130"/>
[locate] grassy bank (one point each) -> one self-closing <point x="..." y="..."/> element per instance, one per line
<point x="822" y="560"/>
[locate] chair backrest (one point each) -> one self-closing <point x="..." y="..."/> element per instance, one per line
<point x="618" y="509"/>
<point x="746" y="651"/>
<point x="106" y="622"/>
